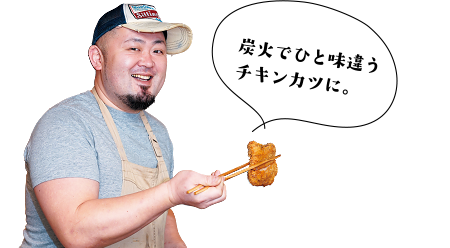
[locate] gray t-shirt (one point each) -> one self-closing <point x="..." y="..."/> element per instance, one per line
<point x="72" y="140"/>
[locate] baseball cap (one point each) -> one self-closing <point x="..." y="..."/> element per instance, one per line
<point x="144" y="18"/>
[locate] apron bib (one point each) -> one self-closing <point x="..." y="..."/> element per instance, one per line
<point x="136" y="178"/>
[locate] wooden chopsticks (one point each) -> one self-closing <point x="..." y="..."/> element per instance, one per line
<point x="197" y="191"/>
<point x="221" y="175"/>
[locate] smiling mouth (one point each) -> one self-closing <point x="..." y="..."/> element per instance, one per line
<point x="142" y="77"/>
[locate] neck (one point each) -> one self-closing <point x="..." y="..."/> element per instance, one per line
<point x="99" y="87"/>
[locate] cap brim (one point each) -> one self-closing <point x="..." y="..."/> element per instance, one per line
<point x="179" y="36"/>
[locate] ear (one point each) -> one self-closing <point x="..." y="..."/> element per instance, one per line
<point x="96" y="57"/>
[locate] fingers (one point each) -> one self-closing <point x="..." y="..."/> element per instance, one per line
<point x="212" y="180"/>
<point x="211" y="196"/>
<point x="220" y="199"/>
<point x="185" y="180"/>
<point x="216" y="173"/>
<point x="218" y="193"/>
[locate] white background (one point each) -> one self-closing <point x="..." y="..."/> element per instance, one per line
<point x="9" y="125"/>
<point x="424" y="124"/>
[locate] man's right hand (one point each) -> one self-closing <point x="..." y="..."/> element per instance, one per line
<point x="185" y="180"/>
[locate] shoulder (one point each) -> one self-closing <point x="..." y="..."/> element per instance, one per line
<point x="73" y="107"/>
<point x="155" y="123"/>
<point x="63" y="138"/>
<point x="71" y="113"/>
<point x="62" y="124"/>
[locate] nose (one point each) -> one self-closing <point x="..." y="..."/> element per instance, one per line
<point x="146" y="60"/>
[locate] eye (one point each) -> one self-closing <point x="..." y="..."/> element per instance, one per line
<point x="134" y="49"/>
<point x="159" y="51"/>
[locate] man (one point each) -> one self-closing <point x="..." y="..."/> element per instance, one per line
<point x="98" y="165"/>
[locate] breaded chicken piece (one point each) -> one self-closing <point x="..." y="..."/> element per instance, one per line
<point x="264" y="174"/>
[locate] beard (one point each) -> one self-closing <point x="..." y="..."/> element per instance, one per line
<point x="138" y="102"/>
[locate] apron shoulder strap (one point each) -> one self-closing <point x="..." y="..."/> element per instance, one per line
<point x="111" y="126"/>
<point x="153" y="140"/>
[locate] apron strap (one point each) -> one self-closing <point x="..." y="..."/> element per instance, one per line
<point x="111" y="126"/>
<point x="155" y="145"/>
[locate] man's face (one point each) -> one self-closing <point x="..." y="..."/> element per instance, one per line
<point x="134" y="68"/>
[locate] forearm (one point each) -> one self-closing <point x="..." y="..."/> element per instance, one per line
<point x="79" y="219"/>
<point x="171" y="236"/>
<point x="101" y="222"/>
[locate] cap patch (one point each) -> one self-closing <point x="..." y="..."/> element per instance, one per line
<point x="144" y="11"/>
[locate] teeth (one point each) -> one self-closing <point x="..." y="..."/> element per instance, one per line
<point x="141" y="76"/>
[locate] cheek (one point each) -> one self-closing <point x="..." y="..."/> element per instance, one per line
<point x="120" y="63"/>
<point x="118" y="70"/>
<point x="162" y="74"/>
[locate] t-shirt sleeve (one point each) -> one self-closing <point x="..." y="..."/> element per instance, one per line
<point x="61" y="146"/>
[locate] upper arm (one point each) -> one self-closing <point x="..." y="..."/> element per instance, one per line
<point x="61" y="146"/>
<point x="63" y="167"/>
<point x="59" y="200"/>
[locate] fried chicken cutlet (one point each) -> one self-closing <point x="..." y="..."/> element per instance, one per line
<point x="264" y="174"/>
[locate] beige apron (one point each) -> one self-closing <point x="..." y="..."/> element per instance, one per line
<point x="137" y="178"/>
